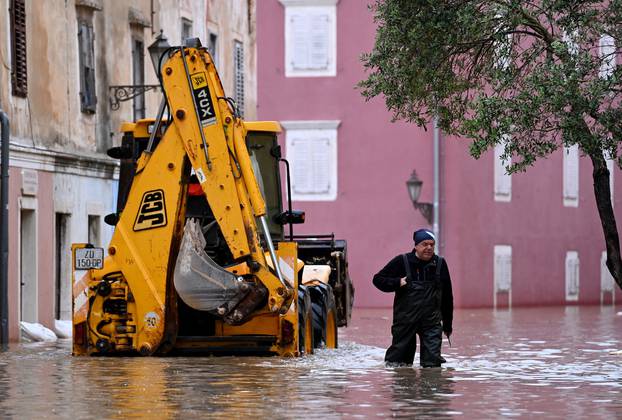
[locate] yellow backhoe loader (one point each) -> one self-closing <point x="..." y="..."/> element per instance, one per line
<point x="198" y="260"/>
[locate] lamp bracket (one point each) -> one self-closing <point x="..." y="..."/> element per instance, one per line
<point x="426" y="210"/>
<point x="122" y="93"/>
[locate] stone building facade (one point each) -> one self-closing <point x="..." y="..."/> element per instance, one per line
<point x="61" y="63"/>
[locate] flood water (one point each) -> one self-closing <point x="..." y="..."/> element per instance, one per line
<point x="533" y="362"/>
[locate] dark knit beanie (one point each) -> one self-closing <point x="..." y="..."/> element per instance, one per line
<point x="422" y="235"/>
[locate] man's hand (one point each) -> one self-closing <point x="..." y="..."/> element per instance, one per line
<point x="403" y="282"/>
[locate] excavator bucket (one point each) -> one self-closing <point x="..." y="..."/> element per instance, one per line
<point x="200" y="282"/>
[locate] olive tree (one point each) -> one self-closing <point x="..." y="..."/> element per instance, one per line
<point x="533" y="76"/>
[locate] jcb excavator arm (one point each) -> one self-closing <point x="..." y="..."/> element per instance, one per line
<point x="155" y="254"/>
<point x="220" y="160"/>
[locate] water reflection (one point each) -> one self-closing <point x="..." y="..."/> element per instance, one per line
<point x="533" y="363"/>
<point x="424" y="392"/>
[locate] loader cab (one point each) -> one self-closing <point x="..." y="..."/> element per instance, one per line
<point x="264" y="151"/>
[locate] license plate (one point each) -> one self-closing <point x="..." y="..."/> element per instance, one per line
<point x="87" y="258"/>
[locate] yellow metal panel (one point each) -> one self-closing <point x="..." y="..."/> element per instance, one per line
<point x="140" y="128"/>
<point x="264" y="324"/>
<point x="127" y="127"/>
<point x="143" y="256"/>
<point x="269" y="126"/>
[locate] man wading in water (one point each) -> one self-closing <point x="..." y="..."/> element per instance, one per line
<point x="423" y="298"/>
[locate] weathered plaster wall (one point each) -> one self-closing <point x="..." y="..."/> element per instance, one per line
<point x="65" y="147"/>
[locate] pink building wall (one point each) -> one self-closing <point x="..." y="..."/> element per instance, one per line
<point x="375" y="157"/>
<point x="44" y="215"/>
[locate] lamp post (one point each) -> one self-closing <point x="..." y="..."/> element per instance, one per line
<point x="414" y="185"/>
<point x="159" y="47"/>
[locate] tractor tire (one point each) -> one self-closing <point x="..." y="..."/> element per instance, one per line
<point x="324" y="313"/>
<point x="305" y="322"/>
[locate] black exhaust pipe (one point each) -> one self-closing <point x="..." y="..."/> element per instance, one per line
<point x="4" y="231"/>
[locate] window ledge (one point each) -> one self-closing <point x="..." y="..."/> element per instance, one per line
<point x="137" y="18"/>
<point x="90" y="4"/>
<point x="311" y="124"/>
<point x="294" y="3"/>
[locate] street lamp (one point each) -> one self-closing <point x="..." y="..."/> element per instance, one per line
<point x="159" y="47"/>
<point x="122" y="93"/>
<point x="414" y="185"/>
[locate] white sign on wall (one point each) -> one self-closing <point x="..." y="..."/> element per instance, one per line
<point x="30" y="182"/>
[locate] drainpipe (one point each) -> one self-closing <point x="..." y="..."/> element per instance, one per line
<point x="436" y="225"/>
<point x="4" y="230"/>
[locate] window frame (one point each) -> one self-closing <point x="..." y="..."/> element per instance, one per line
<point x="293" y="7"/>
<point x="212" y="46"/>
<point x="186" y="23"/>
<point x="328" y="128"/>
<point x="86" y="60"/>
<point x="138" y="76"/>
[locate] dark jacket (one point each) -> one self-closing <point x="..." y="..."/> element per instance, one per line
<point x="423" y="300"/>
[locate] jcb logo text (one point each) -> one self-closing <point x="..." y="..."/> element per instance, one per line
<point x="152" y="211"/>
<point x="198" y="80"/>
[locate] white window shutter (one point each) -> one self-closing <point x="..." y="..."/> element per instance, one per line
<point x="611" y="166"/>
<point x="572" y="276"/>
<point x="311" y="148"/>
<point x="299" y="41"/>
<point x="503" y="268"/>
<point x="310" y="163"/>
<point x="503" y="181"/>
<point x="606" y="279"/>
<point x="570" y="39"/>
<point x="319" y="41"/>
<point x="607" y="53"/>
<point x="310" y="38"/>
<point x="310" y="32"/>
<point x="571" y="176"/>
